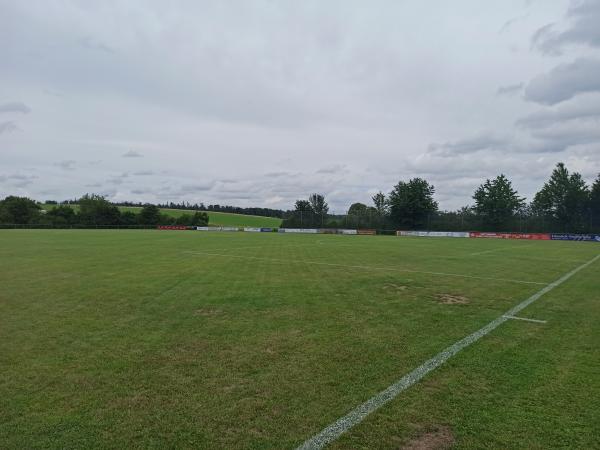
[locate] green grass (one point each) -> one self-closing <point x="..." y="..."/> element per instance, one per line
<point x="182" y="339"/>
<point x="214" y="218"/>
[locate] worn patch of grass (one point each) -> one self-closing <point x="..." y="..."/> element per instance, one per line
<point x="124" y="339"/>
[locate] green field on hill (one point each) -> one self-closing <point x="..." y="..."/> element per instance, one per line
<point x="188" y="339"/>
<point x="214" y="218"/>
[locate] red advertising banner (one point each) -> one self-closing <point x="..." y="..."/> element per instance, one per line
<point x="172" y="227"/>
<point x="530" y="236"/>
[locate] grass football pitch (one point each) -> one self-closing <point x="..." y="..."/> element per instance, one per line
<point x="181" y="339"/>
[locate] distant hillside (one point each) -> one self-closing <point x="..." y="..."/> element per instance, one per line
<point x="214" y="218"/>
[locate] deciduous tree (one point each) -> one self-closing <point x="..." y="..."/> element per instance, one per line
<point x="595" y="202"/>
<point x="19" y="210"/>
<point x="96" y="210"/>
<point x="411" y="202"/>
<point x="380" y="203"/>
<point x="496" y="202"/>
<point x="150" y="215"/>
<point x="319" y="207"/>
<point x="357" y="209"/>
<point x="564" y="198"/>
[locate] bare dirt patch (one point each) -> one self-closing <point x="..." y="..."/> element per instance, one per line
<point x="451" y="299"/>
<point x="440" y="438"/>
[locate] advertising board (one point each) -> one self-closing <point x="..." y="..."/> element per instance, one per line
<point x="576" y="237"/>
<point x="367" y="232"/>
<point x="327" y="231"/>
<point x="299" y="230"/>
<point x="454" y="234"/>
<point x="528" y="236"/>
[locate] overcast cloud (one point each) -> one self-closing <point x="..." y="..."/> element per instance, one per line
<point x="259" y="103"/>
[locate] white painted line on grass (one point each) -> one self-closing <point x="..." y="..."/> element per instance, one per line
<point x="251" y="247"/>
<point x="498" y="249"/>
<point x="354" y="417"/>
<point x="397" y="269"/>
<point x="526" y="319"/>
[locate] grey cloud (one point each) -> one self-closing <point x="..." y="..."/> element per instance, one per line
<point x="7" y="127"/>
<point x="511" y="89"/>
<point x="586" y="107"/>
<point x="563" y="136"/>
<point x="141" y="191"/>
<point x="509" y="23"/>
<point x="53" y="93"/>
<point x="484" y="141"/>
<point x="94" y="185"/>
<point x="319" y="89"/>
<point x="197" y="187"/>
<point x="67" y="164"/>
<point x="277" y="174"/>
<point x="16" y="107"/>
<point x="18" y="176"/>
<point x="22" y="183"/>
<point x="168" y="191"/>
<point x="132" y="154"/>
<point x="541" y="35"/>
<point x="90" y="43"/>
<point x="551" y="140"/>
<point x="584" y="28"/>
<point x="237" y="196"/>
<point x="206" y="85"/>
<point x="334" y="168"/>
<point x="17" y="180"/>
<point x="118" y="179"/>
<point x="48" y="192"/>
<point x="564" y="82"/>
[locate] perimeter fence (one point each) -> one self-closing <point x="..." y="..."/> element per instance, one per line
<point x="444" y="221"/>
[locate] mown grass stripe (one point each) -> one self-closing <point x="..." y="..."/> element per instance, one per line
<point x="357" y="415"/>
<point x="350" y="266"/>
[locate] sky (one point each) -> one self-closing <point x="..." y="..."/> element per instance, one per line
<point x="260" y="103"/>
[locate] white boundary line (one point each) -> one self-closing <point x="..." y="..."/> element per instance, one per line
<point x="498" y="249"/>
<point x="397" y="269"/>
<point x="354" y="417"/>
<point x="251" y="247"/>
<point x="525" y="319"/>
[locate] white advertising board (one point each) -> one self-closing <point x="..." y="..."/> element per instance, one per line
<point x="299" y="230"/>
<point x="456" y="234"/>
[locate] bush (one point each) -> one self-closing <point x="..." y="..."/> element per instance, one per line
<point x="19" y="210"/>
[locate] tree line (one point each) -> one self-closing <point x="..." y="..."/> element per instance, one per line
<point x="252" y="211"/>
<point x="565" y="203"/>
<point x="92" y="210"/>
